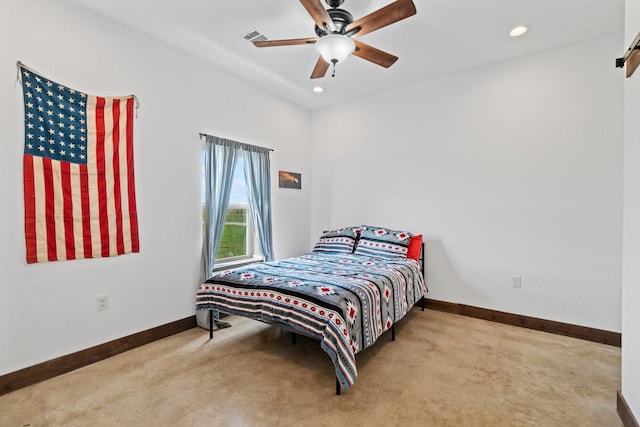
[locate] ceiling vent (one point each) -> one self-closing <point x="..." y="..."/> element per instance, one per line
<point x="255" y="36"/>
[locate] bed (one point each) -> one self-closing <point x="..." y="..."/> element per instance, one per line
<point x="354" y="286"/>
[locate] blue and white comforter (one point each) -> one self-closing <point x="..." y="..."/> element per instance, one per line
<point x="346" y="301"/>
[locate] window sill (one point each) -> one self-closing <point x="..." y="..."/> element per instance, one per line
<point x="236" y="263"/>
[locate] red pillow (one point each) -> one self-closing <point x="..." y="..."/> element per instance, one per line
<point x="415" y="247"/>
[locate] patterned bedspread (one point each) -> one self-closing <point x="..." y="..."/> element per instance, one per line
<point x="346" y="301"/>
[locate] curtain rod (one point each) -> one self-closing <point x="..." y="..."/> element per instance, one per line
<point x="206" y="134"/>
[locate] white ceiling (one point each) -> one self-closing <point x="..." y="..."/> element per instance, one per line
<point x="444" y="37"/>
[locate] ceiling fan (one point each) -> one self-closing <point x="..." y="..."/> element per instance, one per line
<point x="338" y="33"/>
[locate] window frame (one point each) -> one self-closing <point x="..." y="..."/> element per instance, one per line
<point x="249" y="243"/>
<point x="250" y="238"/>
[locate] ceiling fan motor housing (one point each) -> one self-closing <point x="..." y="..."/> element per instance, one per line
<point x="340" y="17"/>
<point x="334" y="3"/>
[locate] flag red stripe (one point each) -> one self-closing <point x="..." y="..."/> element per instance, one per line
<point x="86" y="214"/>
<point x="133" y="211"/>
<point x="67" y="208"/>
<point x="50" y="209"/>
<point x="29" y="209"/>
<point x="101" y="171"/>
<point x="117" y="191"/>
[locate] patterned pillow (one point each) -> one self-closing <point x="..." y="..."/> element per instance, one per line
<point x="382" y="242"/>
<point x="341" y="240"/>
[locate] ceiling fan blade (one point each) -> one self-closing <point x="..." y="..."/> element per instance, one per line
<point x="374" y="55"/>
<point x="387" y="15"/>
<point x="286" y="42"/>
<point x="319" y="14"/>
<point x="320" y="69"/>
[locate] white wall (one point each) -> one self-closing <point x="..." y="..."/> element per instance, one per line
<point x="510" y="169"/>
<point x="49" y="309"/>
<point x="631" y="265"/>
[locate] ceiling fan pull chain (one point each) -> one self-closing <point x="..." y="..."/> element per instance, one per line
<point x="333" y="74"/>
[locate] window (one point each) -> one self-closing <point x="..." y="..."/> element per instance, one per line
<point x="237" y="241"/>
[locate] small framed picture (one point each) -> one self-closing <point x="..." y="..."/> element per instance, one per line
<point x="289" y="180"/>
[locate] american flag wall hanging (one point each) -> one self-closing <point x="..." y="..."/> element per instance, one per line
<point x="79" y="193"/>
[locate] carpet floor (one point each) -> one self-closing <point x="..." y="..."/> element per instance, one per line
<point x="442" y="370"/>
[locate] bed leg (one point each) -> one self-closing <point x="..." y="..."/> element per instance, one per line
<point x="210" y="324"/>
<point x="422" y="303"/>
<point x="393" y="332"/>
<point x="337" y="387"/>
<point x="293" y="338"/>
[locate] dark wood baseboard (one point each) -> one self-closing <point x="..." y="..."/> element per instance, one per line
<point x="49" y="369"/>
<point x="569" y="330"/>
<point x="628" y="420"/>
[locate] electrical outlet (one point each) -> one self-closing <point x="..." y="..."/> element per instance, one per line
<point x="102" y="302"/>
<point x="516" y="281"/>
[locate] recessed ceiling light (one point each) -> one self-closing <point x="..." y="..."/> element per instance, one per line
<point x="318" y="89"/>
<point x="518" y="31"/>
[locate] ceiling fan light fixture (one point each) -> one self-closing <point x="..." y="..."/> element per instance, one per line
<point x="335" y="48"/>
<point x="519" y="30"/>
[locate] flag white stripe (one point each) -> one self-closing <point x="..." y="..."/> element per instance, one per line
<point x="41" y="230"/>
<point x="77" y="210"/>
<point x="58" y="212"/>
